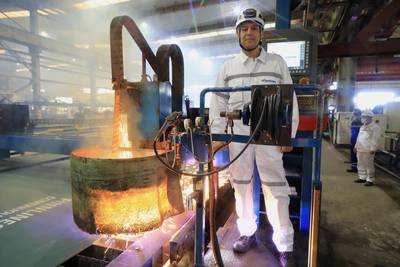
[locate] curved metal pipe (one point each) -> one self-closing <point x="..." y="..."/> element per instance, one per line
<point x="173" y="52"/>
<point x="117" y="60"/>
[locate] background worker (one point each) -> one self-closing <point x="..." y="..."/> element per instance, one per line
<point x="355" y="128"/>
<point x="366" y="146"/>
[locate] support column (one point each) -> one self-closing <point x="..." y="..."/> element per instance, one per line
<point x="93" y="89"/>
<point x="282" y="19"/>
<point x="346" y="83"/>
<point x="35" y="60"/>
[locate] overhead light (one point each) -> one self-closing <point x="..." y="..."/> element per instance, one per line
<point x="14" y="14"/>
<point x="44" y="34"/>
<point x="25" y="13"/>
<point x="51" y="11"/>
<point x="100" y="91"/>
<point x="221" y="56"/>
<point x="333" y="86"/>
<point x="86" y="46"/>
<point x="22" y="70"/>
<point x="63" y="99"/>
<point x="89" y="4"/>
<point x="204" y="35"/>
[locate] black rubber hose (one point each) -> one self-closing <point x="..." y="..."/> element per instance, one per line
<point x="209" y="172"/>
<point x="212" y="214"/>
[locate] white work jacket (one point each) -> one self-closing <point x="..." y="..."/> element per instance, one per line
<point x="242" y="71"/>
<point x="368" y="138"/>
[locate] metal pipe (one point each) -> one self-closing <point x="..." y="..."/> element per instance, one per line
<point x="164" y="54"/>
<point x="219" y="89"/>
<point x="315" y="219"/>
<point x="117" y="64"/>
<point x="212" y="210"/>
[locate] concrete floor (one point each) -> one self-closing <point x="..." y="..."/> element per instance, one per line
<point x="360" y="226"/>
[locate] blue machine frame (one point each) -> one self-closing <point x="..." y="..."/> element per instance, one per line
<point x="309" y="141"/>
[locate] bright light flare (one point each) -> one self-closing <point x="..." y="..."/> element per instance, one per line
<point x="368" y="100"/>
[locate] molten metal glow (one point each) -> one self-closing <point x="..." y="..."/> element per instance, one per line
<point x="124" y="144"/>
<point x="99" y="153"/>
<point x="135" y="210"/>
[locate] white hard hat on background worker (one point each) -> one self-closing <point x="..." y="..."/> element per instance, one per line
<point x="367" y="113"/>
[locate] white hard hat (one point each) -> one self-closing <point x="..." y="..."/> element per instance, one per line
<point x="367" y="113"/>
<point x="250" y="14"/>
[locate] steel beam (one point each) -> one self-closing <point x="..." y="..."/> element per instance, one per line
<point x="355" y="49"/>
<point x="282" y="20"/>
<point x="310" y="13"/>
<point x="382" y="18"/>
<point x="35" y="59"/>
<point x="16" y="35"/>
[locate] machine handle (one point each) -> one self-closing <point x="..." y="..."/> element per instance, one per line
<point x="287" y="121"/>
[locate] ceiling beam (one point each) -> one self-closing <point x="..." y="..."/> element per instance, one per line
<point x="355" y="49"/>
<point x="15" y="35"/>
<point x="379" y="21"/>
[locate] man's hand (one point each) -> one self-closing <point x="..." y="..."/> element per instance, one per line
<point x="285" y="149"/>
<point x="217" y="144"/>
<point x="372" y="152"/>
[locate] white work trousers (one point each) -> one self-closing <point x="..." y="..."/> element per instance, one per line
<point x="365" y="166"/>
<point x="275" y="189"/>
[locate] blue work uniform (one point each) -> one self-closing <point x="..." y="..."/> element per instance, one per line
<point x="355" y="129"/>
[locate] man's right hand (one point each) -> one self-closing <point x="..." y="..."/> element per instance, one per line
<point x="217" y="144"/>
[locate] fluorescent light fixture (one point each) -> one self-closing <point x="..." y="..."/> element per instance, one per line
<point x="104" y="91"/>
<point x="25" y="13"/>
<point x="44" y="34"/>
<point x="89" y="4"/>
<point x="22" y="69"/>
<point x="14" y="14"/>
<point x="204" y="35"/>
<point x="63" y="99"/>
<point x="333" y="86"/>
<point x="86" y="46"/>
<point x="221" y="57"/>
<point x="100" y="91"/>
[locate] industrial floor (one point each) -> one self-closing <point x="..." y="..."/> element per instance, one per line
<point x="360" y="226"/>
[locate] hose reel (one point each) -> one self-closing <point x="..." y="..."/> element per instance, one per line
<point x="275" y="127"/>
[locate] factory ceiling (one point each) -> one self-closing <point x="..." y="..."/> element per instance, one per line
<point x="73" y="32"/>
<point x="338" y="21"/>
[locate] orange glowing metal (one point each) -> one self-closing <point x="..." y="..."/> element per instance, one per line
<point x="135" y="210"/>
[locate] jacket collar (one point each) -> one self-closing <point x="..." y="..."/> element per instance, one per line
<point x="262" y="57"/>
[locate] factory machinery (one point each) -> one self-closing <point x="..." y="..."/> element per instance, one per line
<point x="132" y="190"/>
<point x="145" y="198"/>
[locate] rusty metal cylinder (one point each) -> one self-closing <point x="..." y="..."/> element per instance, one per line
<point x="122" y="193"/>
